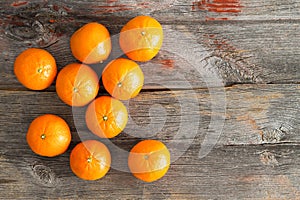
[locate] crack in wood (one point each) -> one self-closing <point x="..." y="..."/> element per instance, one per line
<point x="7" y="181"/>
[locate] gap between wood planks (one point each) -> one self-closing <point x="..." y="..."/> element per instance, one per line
<point x="219" y="22"/>
<point x="102" y="91"/>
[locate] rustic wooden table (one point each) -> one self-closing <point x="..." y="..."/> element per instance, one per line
<point x="251" y="46"/>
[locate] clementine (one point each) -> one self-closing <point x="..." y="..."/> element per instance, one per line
<point x="123" y="78"/>
<point x="48" y="135"/>
<point x="90" y="160"/>
<point x="35" y="68"/>
<point x="77" y="84"/>
<point x="106" y="117"/>
<point x="91" y="43"/>
<point x="141" y="38"/>
<point x="149" y="160"/>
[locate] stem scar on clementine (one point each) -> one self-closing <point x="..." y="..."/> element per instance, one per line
<point x="48" y="135"/>
<point x="106" y="117"/>
<point x="141" y="38"/>
<point x="77" y="84"/>
<point x="90" y="160"/>
<point x="91" y="43"/>
<point x="35" y="68"/>
<point x="123" y="78"/>
<point x="149" y="160"/>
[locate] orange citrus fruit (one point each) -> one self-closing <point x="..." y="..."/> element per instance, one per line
<point x="35" y="68"/>
<point x="141" y="38"/>
<point x="149" y="160"/>
<point x="123" y="78"/>
<point x="77" y="84"/>
<point x="91" y="43"/>
<point x="90" y="160"/>
<point x="48" y="135"/>
<point x="106" y="117"/>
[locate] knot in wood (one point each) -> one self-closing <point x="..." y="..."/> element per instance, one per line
<point x="44" y="175"/>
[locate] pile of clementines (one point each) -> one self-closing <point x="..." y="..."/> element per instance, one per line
<point x="77" y="84"/>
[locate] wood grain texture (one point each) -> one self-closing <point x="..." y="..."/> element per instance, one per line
<point x="166" y="10"/>
<point x="266" y="114"/>
<point x="237" y="51"/>
<point x="228" y="172"/>
<point x="255" y="157"/>
<point x="249" y="171"/>
<point x="251" y="47"/>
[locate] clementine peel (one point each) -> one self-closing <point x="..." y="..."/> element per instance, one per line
<point x="149" y="160"/>
<point x="106" y="117"/>
<point x="91" y="43"/>
<point x="141" y="38"/>
<point x="77" y="84"/>
<point x="35" y="68"/>
<point x="90" y="160"/>
<point x="48" y="135"/>
<point x="123" y="78"/>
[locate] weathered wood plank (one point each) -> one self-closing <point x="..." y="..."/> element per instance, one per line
<point x="251" y="56"/>
<point x="181" y="10"/>
<point x="229" y="172"/>
<point x="207" y="42"/>
<point x="239" y="52"/>
<point x="255" y="114"/>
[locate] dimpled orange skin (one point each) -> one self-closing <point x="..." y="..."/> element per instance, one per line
<point x="149" y="160"/>
<point x="141" y="38"/>
<point x="123" y="79"/>
<point x="106" y="117"/>
<point x="35" y="68"/>
<point x="91" y="43"/>
<point x="90" y="160"/>
<point x="77" y="84"/>
<point x="48" y="135"/>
